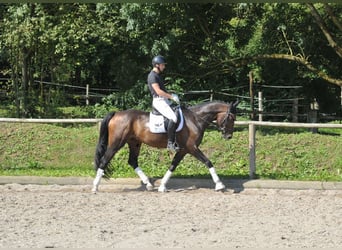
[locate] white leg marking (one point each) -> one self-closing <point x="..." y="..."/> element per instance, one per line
<point x="218" y="184"/>
<point x="97" y="180"/>
<point x="144" y="178"/>
<point x="164" y="181"/>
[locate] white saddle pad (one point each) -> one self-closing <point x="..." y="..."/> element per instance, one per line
<point x="156" y="123"/>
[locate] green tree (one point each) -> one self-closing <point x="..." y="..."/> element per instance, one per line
<point x="20" y="39"/>
<point x="208" y="46"/>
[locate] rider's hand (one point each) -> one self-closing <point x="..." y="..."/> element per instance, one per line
<point x="175" y="98"/>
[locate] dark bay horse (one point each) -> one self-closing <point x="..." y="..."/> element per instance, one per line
<point x="131" y="127"/>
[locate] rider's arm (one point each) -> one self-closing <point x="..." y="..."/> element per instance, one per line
<point x="160" y="92"/>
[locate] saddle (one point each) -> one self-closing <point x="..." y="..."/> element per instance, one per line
<point x="158" y="123"/>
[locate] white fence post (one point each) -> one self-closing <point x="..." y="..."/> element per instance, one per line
<point x="260" y="107"/>
<point x="252" y="166"/>
<point x="87" y="94"/>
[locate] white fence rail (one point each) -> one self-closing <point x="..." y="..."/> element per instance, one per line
<point x="23" y="120"/>
<point x="251" y="130"/>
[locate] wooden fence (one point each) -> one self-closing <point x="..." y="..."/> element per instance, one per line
<point x="29" y="120"/>
<point x="251" y="131"/>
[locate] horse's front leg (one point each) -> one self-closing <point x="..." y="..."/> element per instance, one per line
<point x="134" y="150"/>
<point x="200" y="156"/>
<point x="178" y="157"/>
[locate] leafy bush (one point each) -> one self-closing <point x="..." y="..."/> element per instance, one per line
<point x="51" y="150"/>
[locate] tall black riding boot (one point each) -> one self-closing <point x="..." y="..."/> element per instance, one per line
<point x="171" y="136"/>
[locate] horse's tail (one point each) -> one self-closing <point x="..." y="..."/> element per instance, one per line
<point x="103" y="140"/>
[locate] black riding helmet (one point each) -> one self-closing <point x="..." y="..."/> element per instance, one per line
<point x="158" y="60"/>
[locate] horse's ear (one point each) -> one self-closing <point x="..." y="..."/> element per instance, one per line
<point x="236" y="103"/>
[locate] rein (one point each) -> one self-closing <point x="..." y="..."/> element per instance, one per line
<point x="221" y="128"/>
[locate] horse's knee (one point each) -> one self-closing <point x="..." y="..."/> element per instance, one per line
<point x="208" y="164"/>
<point x="172" y="168"/>
<point x="133" y="163"/>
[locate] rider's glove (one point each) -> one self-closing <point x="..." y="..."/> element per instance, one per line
<point x="175" y="98"/>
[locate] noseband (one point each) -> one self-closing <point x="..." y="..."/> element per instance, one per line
<point x="230" y="115"/>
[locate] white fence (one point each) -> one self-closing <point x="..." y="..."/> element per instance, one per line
<point x="251" y="128"/>
<point x="23" y="120"/>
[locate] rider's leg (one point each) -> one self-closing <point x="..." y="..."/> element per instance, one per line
<point x="171" y="136"/>
<point x="162" y="106"/>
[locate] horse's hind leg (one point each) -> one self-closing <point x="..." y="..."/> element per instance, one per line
<point x="110" y="152"/>
<point x="134" y="150"/>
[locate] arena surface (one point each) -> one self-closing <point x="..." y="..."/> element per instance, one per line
<point x="69" y="216"/>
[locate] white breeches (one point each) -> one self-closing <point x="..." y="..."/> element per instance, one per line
<point x="162" y="105"/>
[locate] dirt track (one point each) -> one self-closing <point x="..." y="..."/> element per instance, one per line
<point x="69" y="216"/>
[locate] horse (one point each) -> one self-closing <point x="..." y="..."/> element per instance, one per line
<point x="132" y="127"/>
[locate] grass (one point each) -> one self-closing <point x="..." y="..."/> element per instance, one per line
<point x="56" y="150"/>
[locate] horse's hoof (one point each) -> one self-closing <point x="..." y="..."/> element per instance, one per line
<point x="162" y="189"/>
<point x="219" y="186"/>
<point x="149" y="187"/>
<point x="94" y="190"/>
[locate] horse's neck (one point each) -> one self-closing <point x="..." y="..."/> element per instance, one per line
<point x="207" y="114"/>
<point x="207" y="117"/>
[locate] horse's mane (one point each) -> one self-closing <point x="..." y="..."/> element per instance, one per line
<point x="201" y="105"/>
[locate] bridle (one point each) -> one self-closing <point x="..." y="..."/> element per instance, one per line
<point x="222" y="126"/>
<point x="230" y="115"/>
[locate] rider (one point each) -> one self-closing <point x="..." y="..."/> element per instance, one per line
<point x="161" y="99"/>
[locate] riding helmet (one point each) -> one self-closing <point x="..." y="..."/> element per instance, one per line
<point x="158" y="60"/>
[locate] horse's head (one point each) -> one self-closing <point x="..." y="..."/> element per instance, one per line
<point x="225" y="122"/>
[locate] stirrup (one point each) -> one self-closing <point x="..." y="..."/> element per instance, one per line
<point x="172" y="146"/>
